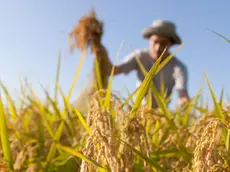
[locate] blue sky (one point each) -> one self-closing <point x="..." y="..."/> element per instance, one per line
<point x="31" y="33"/>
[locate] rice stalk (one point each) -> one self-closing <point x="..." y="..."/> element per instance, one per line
<point x="10" y="102"/>
<point x="108" y="94"/>
<point x="57" y="76"/>
<point x="5" y="137"/>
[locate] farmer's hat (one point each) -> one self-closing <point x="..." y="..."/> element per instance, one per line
<point x="164" y="28"/>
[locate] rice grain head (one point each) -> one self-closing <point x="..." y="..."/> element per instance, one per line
<point x="206" y="154"/>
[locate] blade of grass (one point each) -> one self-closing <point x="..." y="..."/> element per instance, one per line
<point x="145" y="86"/>
<point x="189" y="107"/>
<point x="227" y="141"/>
<point x="200" y="109"/>
<point x="217" y="106"/>
<point x="149" y="99"/>
<point x="42" y="114"/>
<point x="57" y="76"/>
<point x="163" y="63"/>
<point x="129" y="94"/>
<point x="41" y="136"/>
<point x="130" y="97"/>
<point x="52" y="149"/>
<point x="142" y="156"/>
<point x="108" y="94"/>
<point x="226" y="39"/>
<point x="40" y="130"/>
<point x="31" y="90"/>
<point x="181" y="151"/>
<point x="53" y="103"/>
<point x="10" y="102"/>
<point x="63" y="159"/>
<point x="165" y="153"/>
<point x="5" y="137"/>
<point x="155" y="137"/>
<point x="221" y="97"/>
<point x="163" y="106"/>
<point x="76" y="74"/>
<point x="81" y="156"/>
<point x="162" y="86"/>
<point x="165" y="135"/>
<point x="26" y="120"/>
<point x="219" y="114"/>
<point x="66" y="111"/>
<point x="83" y="121"/>
<point x="157" y="96"/>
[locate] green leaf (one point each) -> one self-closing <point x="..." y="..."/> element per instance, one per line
<point x="69" y="165"/>
<point x="41" y="136"/>
<point x="131" y="96"/>
<point x="145" y="86"/>
<point x="10" y="102"/>
<point x="165" y="153"/>
<point x="181" y="151"/>
<point x="165" y="135"/>
<point x="163" y="106"/>
<point x="157" y="96"/>
<point x="5" y="137"/>
<point x="221" y="97"/>
<point x="149" y="99"/>
<point x="53" y="103"/>
<point x="217" y="106"/>
<point x="68" y="108"/>
<point x="219" y="113"/>
<point x="189" y="108"/>
<point x="42" y="114"/>
<point x="139" y="167"/>
<point x="156" y="133"/>
<point x="76" y="74"/>
<point x="52" y="150"/>
<point x="227" y="142"/>
<point x="83" y="121"/>
<point x="200" y="109"/>
<point x="63" y="158"/>
<point x="108" y="94"/>
<point x="81" y="156"/>
<point x="165" y="61"/>
<point x="57" y="76"/>
<point x="226" y="39"/>
<point x="144" y="157"/>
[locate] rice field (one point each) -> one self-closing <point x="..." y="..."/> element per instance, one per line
<point x="111" y="133"/>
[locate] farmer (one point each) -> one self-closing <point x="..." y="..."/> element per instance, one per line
<point x="161" y="36"/>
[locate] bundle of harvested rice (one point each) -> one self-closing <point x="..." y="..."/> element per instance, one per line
<point x="88" y="33"/>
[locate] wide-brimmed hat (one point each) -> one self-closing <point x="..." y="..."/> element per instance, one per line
<point x="164" y="28"/>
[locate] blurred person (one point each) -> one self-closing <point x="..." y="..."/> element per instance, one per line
<point x="161" y="36"/>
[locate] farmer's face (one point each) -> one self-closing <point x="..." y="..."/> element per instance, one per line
<point x="157" y="44"/>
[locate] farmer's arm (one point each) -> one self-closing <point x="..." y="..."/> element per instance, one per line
<point x="181" y="79"/>
<point x="104" y="61"/>
<point x="125" y="67"/>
